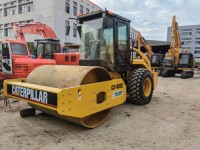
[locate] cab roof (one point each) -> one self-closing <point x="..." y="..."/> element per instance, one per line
<point x="13" y="41"/>
<point x="100" y="14"/>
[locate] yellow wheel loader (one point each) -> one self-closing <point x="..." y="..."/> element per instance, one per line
<point x="108" y="75"/>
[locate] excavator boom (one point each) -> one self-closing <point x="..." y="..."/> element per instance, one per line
<point x="175" y="47"/>
<point x="33" y="28"/>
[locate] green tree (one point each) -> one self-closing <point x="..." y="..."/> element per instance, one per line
<point x="31" y="46"/>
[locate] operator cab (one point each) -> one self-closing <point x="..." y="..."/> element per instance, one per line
<point x="157" y="59"/>
<point x="186" y="60"/>
<point x="45" y="48"/>
<point x="105" y="41"/>
<point x="9" y="50"/>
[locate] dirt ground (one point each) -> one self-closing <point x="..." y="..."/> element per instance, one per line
<point x="170" y="121"/>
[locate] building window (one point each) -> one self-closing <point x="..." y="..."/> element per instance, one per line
<point x="87" y="10"/>
<point x="197" y="42"/>
<point x="1" y="32"/>
<point x="21" y="22"/>
<point x="13" y="3"/>
<point x="197" y="52"/>
<point x="8" y="32"/>
<point x="185" y="48"/>
<point x="6" y="4"/>
<point x="81" y="9"/>
<point x="10" y="11"/>
<point x="186" y="39"/>
<point x="67" y="27"/>
<point x="186" y="33"/>
<point x="186" y="43"/>
<point x="1" y="13"/>
<point x="74" y="30"/>
<point x="29" y="21"/>
<point x="21" y="1"/>
<point x="197" y="38"/>
<point x="75" y="8"/>
<point x="186" y="30"/>
<point x="198" y="48"/>
<point x="198" y="33"/>
<point x="67" y="7"/>
<point x="25" y="8"/>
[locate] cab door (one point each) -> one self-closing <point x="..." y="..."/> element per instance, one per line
<point x="122" y="51"/>
<point x="6" y="61"/>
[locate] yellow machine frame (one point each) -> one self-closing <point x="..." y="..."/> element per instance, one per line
<point x="69" y="101"/>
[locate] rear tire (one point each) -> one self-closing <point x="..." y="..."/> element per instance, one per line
<point x="140" y="86"/>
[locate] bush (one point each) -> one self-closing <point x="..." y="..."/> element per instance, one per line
<point x="31" y="46"/>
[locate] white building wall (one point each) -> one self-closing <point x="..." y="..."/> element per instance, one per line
<point x="50" y="12"/>
<point x="190" y="39"/>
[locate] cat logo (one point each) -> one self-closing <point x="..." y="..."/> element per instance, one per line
<point x="32" y="94"/>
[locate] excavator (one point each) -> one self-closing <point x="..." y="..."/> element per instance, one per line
<point x="156" y="58"/>
<point x="49" y="47"/>
<point x="15" y="61"/>
<point x="177" y="62"/>
<point x="108" y="75"/>
<point x="49" y="41"/>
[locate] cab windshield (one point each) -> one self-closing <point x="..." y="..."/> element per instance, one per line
<point x="97" y="41"/>
<point x="184" y="59"/>
<point x="47" y="49"/>
<point x="19" y="49"/>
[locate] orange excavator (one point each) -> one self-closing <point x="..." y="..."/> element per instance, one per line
<point x="15" y="60"/>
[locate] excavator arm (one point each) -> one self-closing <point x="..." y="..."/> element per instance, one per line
<point x="141" y="41"/>
<point x="33" y="28"/>
<point x="175" y="47"/>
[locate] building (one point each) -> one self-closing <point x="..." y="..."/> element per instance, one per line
<point x="190" y="39"/>
<point x="58" y="14"/>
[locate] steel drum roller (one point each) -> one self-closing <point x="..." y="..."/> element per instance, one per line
<point x="66" y="77"/>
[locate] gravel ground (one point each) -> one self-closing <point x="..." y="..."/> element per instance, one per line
<point x="170" y="121"/>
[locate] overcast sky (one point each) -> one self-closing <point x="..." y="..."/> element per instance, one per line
<point x="152" y="17"/>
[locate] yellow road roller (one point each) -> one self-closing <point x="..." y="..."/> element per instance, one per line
<point x="110" y="73"/>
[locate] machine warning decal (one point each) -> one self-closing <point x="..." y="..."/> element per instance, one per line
<point x="117" y="94"/>
<point x="34" y="95"/>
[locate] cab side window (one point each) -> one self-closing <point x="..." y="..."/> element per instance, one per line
<point x="5" y="51"/>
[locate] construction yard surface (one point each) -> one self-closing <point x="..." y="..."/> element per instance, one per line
<point x="170" y="121"/>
